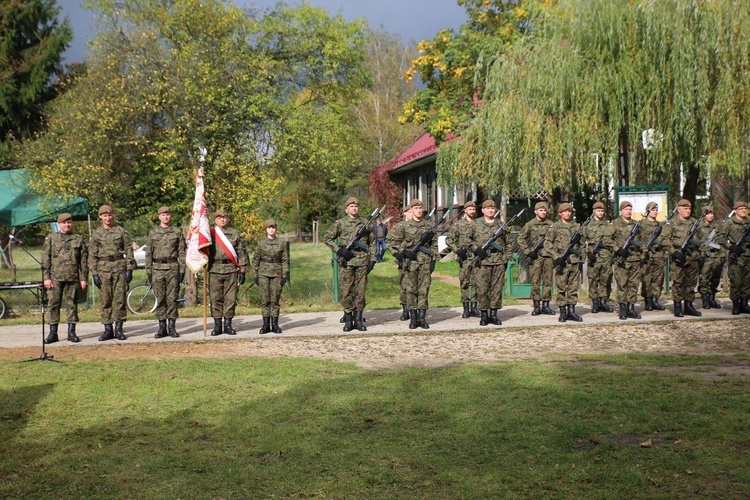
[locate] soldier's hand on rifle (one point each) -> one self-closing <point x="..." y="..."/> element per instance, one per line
<point x="370" y="266"/>
<point x="560" y="262"/>
<point x="592" y="258"/>
<point x="345" y="254"/>
<point x="241" y="278"/>
<point x="623" y="252"/>
<point x="481" y="253"/>
<point x="736" y="249"/>
<point x="678" y="257"/>
<point x="533" y="255"/>
<point x="128" y="275"/>
<point x="410" y="255"/>
<point x="399" y="257"/>
<point x="97" y="280"/>
<point x="462" y="253"/>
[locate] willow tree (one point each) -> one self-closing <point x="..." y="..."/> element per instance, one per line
<point x="594" y="77"/>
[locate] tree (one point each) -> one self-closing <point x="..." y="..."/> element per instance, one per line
<point x="597" y="75"/>
<point x="32" y="41"/>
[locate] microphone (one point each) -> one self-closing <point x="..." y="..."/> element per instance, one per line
<point x="15" y="240"/>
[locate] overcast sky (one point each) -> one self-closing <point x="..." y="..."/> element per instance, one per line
<point x="412" y="19"/>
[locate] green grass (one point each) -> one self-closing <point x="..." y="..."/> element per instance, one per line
<point x="260" y="428"/>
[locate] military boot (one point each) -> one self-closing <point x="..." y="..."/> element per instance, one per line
<point x="706" y="301"/>
<point x="404" y="313"/>
<point x="358" y="321"/>
<point x="474" y="312"/>
<point x="649" y="305"/>
<point x="218" y="330"/>
<point x="712" y="302"/>
<point x="563" y="314"/>
<point x="595" y="306"/>
<point x="546" y="309"/>
<point x="228" y="329"/>
<point x="736" y="307"/>
<point x="348" y="322"/>
<point x="678" y="309"/>
<point x="603" y="306"/>
<point x="744" y="307"/>
<point x="343" y="318"/>
<point x="572" y="313"/>
<point x="119" y="334"/>
<point x="631" y="311"/>
<point x="655" y="304"/>
<point x="52" y="336"/>
<point x="690" y="310"/>
<point x="466" y="312"/>
<point x="537" y="309"/>
<point x="162" y="332"/>
<point x="108" y="334"/>
<point x="266" y="325"/>
<point x="484" y="319"/>
<point x="275" y="324"/>
<point x="493" y="317"/>
<point x="171" y="328"/>
<point x="72" y="337"/>
<point x="423" y="319"/>
<point x="414" y="320"/>
<point x="623" y="311"/>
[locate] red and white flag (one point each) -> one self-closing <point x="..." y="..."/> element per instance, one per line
<point x="199" y="236"/>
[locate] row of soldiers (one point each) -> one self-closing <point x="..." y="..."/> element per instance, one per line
<point x="67" y="260"/>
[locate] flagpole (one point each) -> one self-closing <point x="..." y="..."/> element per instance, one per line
<point x="205" y="302"/>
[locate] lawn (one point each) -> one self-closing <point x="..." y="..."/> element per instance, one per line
<point x="605" y="427"/>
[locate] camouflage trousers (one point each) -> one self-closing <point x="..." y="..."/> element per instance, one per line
<point x="60" y="290"/>
<point x="113" y="293"/>
<point x="567" y="283"/>
<point x="420" y="280"/>
<point x="652" y="277"/>
<point x="403" y="285"/>
<point x="540" y="276"/>
<point x="467" y="277"/>
<point x="223" y="289"/>
<point x="490" y="282"/>
<point x="739" y="278"/>
<point x="270" y="295"/>
<point x="710" y="273"/>
<point x="167" y="290"/>
<point x="684" y="280"/>
<point x="600" y="278"/>
<point x="352" y="285"/>
<point x="628" y="279"/>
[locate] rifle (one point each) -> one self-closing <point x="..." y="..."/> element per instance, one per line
<point x="679" y="256"/>
<point x="361" y="232"/>
<point x="654" y="240"/>
<point x="522" y="258"/>
<point x="498" y="232"/>
<point x="624" y="252"/>
<point x="595" y="251"/>
<point x="712" y="235"/>
<point x="744" y="237"/>
<point x="574" y="240"/>
<point x="426" y="236"/>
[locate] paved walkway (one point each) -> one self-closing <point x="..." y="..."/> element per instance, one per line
<point x="327" y="323"/>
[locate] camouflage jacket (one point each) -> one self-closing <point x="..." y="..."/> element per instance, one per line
<point x="531" y="234"/>
<point x="500" y="252"/>
<point x="218" y="261"/>
<point x="704" y="229"/>
<point x="342" y="232"/>
<point x="674" y="235"/>
<point x="559" y="237"/>
<point x="600" y="229"/>
<point x="408" y="236"/>
<point x="623" y="228"/>
<point x="459" y="236"/>
<point x="730" y="233"/>
<point x="647" y="229"/>
<point x="111" y="250"/>
<point x="271" y="259"/>
<point x="165" y="249"/>
<point x="65" y="258"/>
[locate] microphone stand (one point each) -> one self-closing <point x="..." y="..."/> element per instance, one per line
<point x="42" y="297"/>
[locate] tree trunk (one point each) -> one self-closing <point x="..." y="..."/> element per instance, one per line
<point x="692" y="176"/>
<point x="623" y="167"/>
<point x="191" y="289"/>
<point x="299" y="216"/>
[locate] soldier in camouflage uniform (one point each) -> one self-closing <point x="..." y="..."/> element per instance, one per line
<point x="684" y="271"/>
<point x="730" y="237"/>
<point x="459" y="240"/>
<point x="227" y="262"/>
<point x="567" y="270"/>
<point x="356" y="264"/>
<point x="271" y="269"/>
<point x="531" y="242"/>
<point x="652" y="271"/>
<point x="628" y="262"/>
<point x="165" y="268"/>
<point x="64" y="269"/>
<point x="490" y="263"/>
<point x="711" y="261"/>
<point x="418" y="263"/>
<point x="403" y="277"/>
<point x="111" y="262"/>
<point x="599" y="237"/>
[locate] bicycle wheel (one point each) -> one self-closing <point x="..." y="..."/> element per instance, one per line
<point x="3" y="308"/>
<point x="141" y="300"/>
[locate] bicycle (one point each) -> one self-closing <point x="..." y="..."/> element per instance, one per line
<point x="142" y="300"/>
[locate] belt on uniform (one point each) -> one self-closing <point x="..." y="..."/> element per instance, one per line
<point x="170" y="260"/>
<point x="271" y="260"/>
<point x="111" y="258"/>
<point x="222" y="261"/>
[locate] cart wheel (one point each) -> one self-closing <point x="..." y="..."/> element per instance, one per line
<point x="3" y="308"/>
